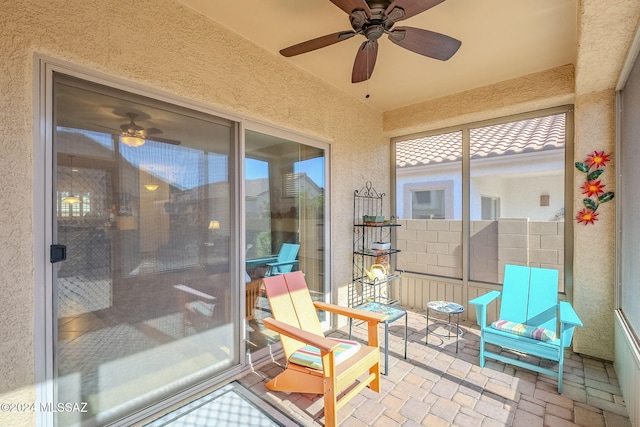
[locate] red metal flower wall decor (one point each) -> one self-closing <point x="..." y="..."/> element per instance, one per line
<point x="593" y="167"/>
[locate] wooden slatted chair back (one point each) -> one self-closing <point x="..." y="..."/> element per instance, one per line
<point x="542" y="311"/>
<point x="291" y="303"/>
<point x="530" y="296"/>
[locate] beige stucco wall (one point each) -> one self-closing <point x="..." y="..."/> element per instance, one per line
<point x="545" y="89"/>
<point x="594" y="245"/>
<point x="162" y="45"/>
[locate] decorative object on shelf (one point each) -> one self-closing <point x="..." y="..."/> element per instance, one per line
<point x="373" y="219"/>
<point x="381" y="246"/>
<point x="593" y="166"/>
<point x="377" y="272"/>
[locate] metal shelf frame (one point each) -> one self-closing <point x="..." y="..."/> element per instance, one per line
<point x="368" y="202"/>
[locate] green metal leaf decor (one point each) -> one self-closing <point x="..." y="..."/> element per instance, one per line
<point x="593" y="166"/>
<point x="605" y="197"/>
<point x="582" y="167"/>
<point x="595" y="174"/>
<point x="590" y="204"/>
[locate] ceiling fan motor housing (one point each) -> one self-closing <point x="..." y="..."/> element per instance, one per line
<point x="374" y="32"/>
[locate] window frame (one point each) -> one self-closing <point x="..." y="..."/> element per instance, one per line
<point x="465" y="129"/>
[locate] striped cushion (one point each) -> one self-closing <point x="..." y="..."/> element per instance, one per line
<point x="309" y="356"/>
<point x="540" y="334"/>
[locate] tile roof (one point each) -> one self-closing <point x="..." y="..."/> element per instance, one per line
<point x="537" y="134"/>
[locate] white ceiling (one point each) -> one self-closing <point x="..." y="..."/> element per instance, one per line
<point x="501" y="40"/>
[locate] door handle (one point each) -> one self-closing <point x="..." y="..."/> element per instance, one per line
<point x="57" y="253"/>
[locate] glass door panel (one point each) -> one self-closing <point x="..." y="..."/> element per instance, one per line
<point x="284" y="199"/>
<point x="145" y="302"/>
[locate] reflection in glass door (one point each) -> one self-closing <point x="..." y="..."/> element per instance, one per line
<point x="285" y="229"/>
<point x="145" y="302"/>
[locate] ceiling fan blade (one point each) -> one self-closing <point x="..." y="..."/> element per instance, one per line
<point x="152" y="131"/>
<point x="365" y="61"/>
<point x="410" y="8"/>
<point x="351" y="5"/>
<point x="165" y="140"/>
<point x="316" y="43"/>
<point x="113" y="130"/>
<point x="425" y="42"/>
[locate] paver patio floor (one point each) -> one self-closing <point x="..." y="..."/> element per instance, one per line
<point x="435" y="386"/>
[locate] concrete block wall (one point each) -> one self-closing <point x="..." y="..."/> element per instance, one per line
<point x="435" y="247"/>
<point x="430" y="247"/>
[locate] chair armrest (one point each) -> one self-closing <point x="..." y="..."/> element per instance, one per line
<point x="481" y="304"/>
<point x="259" y="261"/>
<point x="484" y="300"/>
<point x="568" y="315"/>
<point x="277" y="264"/>
<point x="372" y="319"/>
<point x="301" y="335"/>
<point x="367" y="316"/>
<point x="568" y="322"/>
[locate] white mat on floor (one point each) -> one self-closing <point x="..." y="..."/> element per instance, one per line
<point x="231" y="405"/>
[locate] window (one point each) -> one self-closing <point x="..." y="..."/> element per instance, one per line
<point x="427" y="204"/>
<point x="429" y="185"/>
<point x="515" y="196"/>
<point x="490" y="208"/>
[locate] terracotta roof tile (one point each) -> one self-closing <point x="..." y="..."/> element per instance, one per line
<point x="541" y="133"/>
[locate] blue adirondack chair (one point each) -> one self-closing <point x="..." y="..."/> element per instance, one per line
<point x="286" y="260"/>
<point x="529" y="314"/>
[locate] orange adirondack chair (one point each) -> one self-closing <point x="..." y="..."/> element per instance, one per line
<point x="316" y="364"/>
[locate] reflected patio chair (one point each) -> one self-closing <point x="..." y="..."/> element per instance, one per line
<point x="316" y="364"/>
<point x="285" y="261"/>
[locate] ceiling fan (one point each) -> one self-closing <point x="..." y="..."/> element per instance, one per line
<point x="373" y="19"/>
<point x="134" y="135"/>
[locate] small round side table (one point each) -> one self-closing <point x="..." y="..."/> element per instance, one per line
<point x="449" y="308"/>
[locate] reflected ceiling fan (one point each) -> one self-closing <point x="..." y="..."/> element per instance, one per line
<point x="134" y="135"/>
<point x="373" y="19"/>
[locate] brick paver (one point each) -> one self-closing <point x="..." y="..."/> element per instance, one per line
<point x="436" y="386"/>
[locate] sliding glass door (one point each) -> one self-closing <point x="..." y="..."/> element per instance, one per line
<point x="146" y="301"/>
<point x="285" y="184"/>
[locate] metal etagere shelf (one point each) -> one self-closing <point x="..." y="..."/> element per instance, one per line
<point x="373" y="278"/>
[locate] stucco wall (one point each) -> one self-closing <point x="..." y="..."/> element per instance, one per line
<point x="594" y="245"/>
<point x="165" y="46"/>
<point x="528" y="93"/>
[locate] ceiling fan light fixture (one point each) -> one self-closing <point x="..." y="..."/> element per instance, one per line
<point x="131" y="140"/>
<point x="71" y="200"/>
